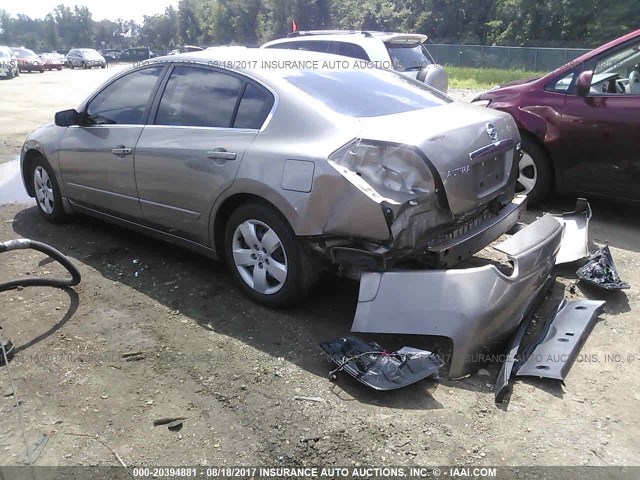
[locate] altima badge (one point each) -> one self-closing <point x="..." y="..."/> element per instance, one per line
<point x="492" y="132"/>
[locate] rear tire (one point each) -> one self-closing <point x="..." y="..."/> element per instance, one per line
<point x="47" y="191"/>
<point x="265" y="257"/>
<point x="535" y="177"/>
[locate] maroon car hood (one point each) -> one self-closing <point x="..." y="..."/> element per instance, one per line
<point x="513" y="83"/>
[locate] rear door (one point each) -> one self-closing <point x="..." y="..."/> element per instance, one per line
<point x="191" y="151"/>
<point x="96" y="159"/>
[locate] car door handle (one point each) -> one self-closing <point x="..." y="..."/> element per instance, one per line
<point x="121" y="151"/>
<point x="221" y="154"/>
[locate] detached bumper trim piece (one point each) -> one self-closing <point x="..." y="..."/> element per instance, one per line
<point x="563" y="339"/>
<point x="575" y="237"/>
<point x="477" y="308"/>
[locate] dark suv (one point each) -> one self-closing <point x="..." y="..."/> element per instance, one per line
<point x="579" y="124"/>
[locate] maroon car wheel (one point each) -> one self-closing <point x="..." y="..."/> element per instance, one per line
<point x="535" y="178"/>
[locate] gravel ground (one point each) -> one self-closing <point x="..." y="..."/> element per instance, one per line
<point x="236" y="371"/>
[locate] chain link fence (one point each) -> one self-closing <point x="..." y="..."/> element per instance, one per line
<point x="505" y="58"/>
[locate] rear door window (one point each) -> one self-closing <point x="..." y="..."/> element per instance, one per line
<point x="199" y="97"/>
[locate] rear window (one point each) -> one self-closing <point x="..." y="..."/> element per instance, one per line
<point x="408" y="56"/>
<point x="364" y="93"/>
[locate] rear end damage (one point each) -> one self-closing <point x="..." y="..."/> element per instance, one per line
<point x="480" y="309"/>
<point x="430" y="218"/>
<point x="477" y="308"/>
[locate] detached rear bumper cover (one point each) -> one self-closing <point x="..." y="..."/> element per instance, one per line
<point x="477" y="308"/>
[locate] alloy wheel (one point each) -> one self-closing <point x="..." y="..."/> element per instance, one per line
<point x="44" y="190"/>
<point x="259" y="256"/>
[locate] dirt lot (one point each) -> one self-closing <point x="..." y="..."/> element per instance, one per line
<point x="234" y="369"/>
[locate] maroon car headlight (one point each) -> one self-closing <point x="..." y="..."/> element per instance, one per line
<point x="383" y="170"/>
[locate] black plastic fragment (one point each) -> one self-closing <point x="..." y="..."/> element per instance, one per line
<point x="601" y="271"/>
<point x="501" y="386"/>
<point x="8" y="350"/>
<point x="380" y="369"/>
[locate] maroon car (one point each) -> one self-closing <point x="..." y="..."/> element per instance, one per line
<point x="28" y="61"/>
<point x="580" y="124"/>
<point x="53" y="60"/>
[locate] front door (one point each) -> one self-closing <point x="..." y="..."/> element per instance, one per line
<point x="97" y="158"/>
<point x="602" y="129"/>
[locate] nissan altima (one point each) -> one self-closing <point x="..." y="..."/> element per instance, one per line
<point x="284" y="164"/>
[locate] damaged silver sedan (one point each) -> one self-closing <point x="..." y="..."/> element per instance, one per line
<point x="285" y="163"/>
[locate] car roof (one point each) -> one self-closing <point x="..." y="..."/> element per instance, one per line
<point x="247" y="59"/>
<point x="358" y="37"/>
<point x="384" y="36"/>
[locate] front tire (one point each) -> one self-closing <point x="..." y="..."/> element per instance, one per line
<point x="265" y="257"/>
<point x="535" y="177"/>
<point x="47" y="191"/>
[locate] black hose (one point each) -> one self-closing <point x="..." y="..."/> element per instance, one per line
<point x="25" y="243"/>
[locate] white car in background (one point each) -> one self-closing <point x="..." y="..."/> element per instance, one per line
<point x="405" y="53"/>
<point x="8" y="63"/>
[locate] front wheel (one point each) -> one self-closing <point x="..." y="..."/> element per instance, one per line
<point x="265" y="257"/>
<point x="47" y="191"/>
<point x="535" y="178"/>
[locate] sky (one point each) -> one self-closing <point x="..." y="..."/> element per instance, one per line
<point x="100" y="9"/>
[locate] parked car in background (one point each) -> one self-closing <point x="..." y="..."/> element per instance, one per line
<point x="185" y="49"/>
<point x="282" y="170"/>
<point x="53" y="61"/>
<point x="8" y="63"/>
<point x="580" y="124"/>
<point x="403" y="52"/>
<point x="85" y="58"/>
<point x="28" y="61"/>
<point x="111" y="54"/>
<point x="137" y="54"/>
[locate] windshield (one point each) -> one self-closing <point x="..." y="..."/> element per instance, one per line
<point x="364" y="93"/>
<point x="622" y="62"/>
<point x="408" y="56"/>
<point x="90" y="54"/>
<point x="25" y="53"/>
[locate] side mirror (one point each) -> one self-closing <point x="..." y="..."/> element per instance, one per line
<point x="583" y="83"/>
<point x="66" y="118"/>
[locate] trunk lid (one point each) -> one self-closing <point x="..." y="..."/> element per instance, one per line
<point x="471" y="147"/>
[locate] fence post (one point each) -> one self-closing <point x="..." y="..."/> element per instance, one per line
<point x="535" y="61"/>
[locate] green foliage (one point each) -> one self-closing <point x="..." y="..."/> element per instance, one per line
<point x="563" y="23"/>
<point x="483" y="78"/>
